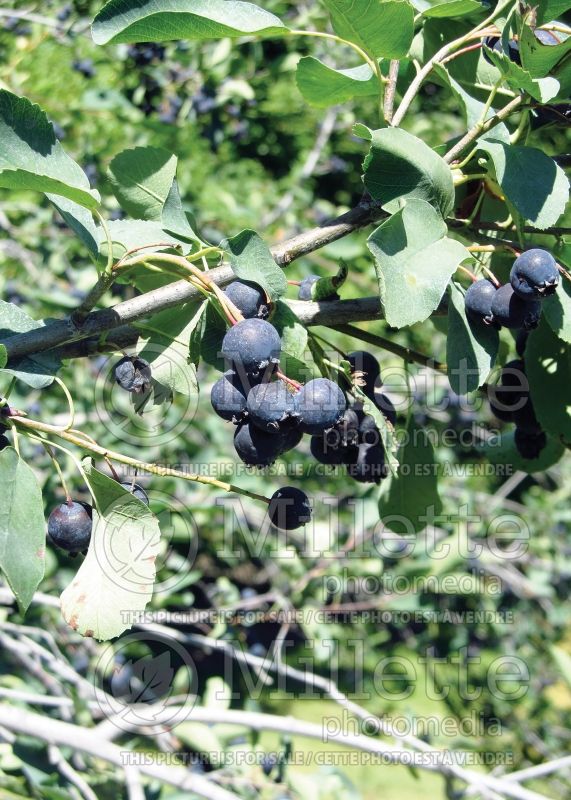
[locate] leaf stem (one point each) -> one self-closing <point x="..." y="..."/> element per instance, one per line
<point x="78" y="438"/>
<point x="403" y="352"/>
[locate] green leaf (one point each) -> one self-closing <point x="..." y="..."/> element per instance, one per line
<point x="141" y="179"/>
<point x="501" y="450"/>
<point x="174" y="219"/>
<point x="537" y="58"/>
<point x="414" y="260"/>
<point x="3" y="356"/>
<point x="386" y="430"/>
<point x="399" y="165"/>
<point x="535" y="185"/>
<point x="79" y="220"/>
<point x="117" y="575"/>
<point x="295" y="361"/>
<point x="471" y="347"/>
<point x="548" y="10"/>
<point x="166" y="20"/>
<point x="453" y="8"/>
<point x="412" y="500"/>
<point x="557" y="311"/>
<point x="383" y="28"/>
<point x="22" y="527"/>
<point x="543" y="89"/>
<point x="127" y="234"/>
<point x="326" y="288"/>
<point x="167" y="349"/>
<point x="323" y="86"/>
<point x="38" y="370"/>
<point x="548" y="367"/>
<point x="473" y="109"/>
<point x="32" y="158"/>
<point x="251" y="260"/>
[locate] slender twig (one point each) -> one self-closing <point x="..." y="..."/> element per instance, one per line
<point x="423" y="73"/>
<point x="179" y="292"/>
<point x="77" y="439"/>
<point x="390" y="92"/>
<point x="83" y="739"/>
<point x="405" y="353"/>
<point x="480" y="128"/>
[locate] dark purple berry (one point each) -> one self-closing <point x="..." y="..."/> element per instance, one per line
<point x="69" y="526"/>
<point x="133" y="374"/>
<point x="270" y="406"/>
<point x="478" y="301"/>
<point x="511" y="311"/>
<point x="257" y="448"/>
<point x="228" y="397"/>
<point x="249" y="298"/>
<point x="252" y="345"/>
<point x="534" y="275"/>
<point x="319" y="405"/>
<point x="289" y="508"/>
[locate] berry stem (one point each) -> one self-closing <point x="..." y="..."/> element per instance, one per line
<point x="296" y="385"/>
<point x="470" y="274"/>
<point x="81" y="441"/>
<point x="405" y="353"/>
<point x="57" y="467"/>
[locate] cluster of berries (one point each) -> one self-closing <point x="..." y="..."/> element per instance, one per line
<point x="69" y="524"/>
<point x="517" y="304"/>
<point x="355" y="441"/>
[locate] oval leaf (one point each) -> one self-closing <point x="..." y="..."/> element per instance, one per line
<point x="32" y="158"/>
<point x="166" y="20"/>
<point x="22" y="527"/>
<point x="414" y="260"/>
<point x="399" y="165"/>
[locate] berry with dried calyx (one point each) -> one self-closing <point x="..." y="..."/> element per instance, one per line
<point x="289" y="508"/>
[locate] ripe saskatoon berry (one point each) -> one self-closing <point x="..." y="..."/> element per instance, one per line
<point x="529" y="445"/>
<point x="319" y="405"/>
<point x="133" y="374"/>
<point x="253" y="344"/>
<point x="511" y="311"/>
<point x="137" y="491"/>
<point x="69" y="526"/>
<point x="478" y="301"/>
<point x="257" y="448"/>
<point x="348" y="427"/>
<point x="304" y="292"/>
<point x="370" y="464"/>
<point x="4" y="441"/>
<point x="249" y="298"/>
<point x="534" y="275"/>
<point x="228" y="397"/>
<point x="270" y="406"/>
<point x="326" y="451"/>
<point x="289" y="508"/>
<point x="291" y="437"/>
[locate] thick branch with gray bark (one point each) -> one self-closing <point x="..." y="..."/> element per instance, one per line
<point x="174" y="294"/>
